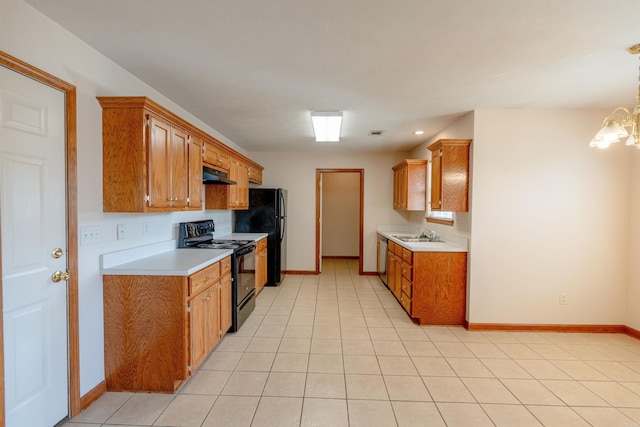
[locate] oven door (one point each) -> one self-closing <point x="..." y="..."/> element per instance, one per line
<point x="246" y="273"/>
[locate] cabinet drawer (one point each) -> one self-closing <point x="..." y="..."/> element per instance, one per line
<point x="406" y="286"/>
<point x="397" y="249"/>
<point x="204" y="278"/>
<point x="262" y="245"/>
<point x="407" y="271"/>
<point x="215" y="157"/>
<point x="406" y="302"/>
<point x="391" y="247"/>
<point x="225" y="266"/>
<point x="407" y="256"/>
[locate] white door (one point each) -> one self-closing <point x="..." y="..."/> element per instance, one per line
<point x="33" y="225"/>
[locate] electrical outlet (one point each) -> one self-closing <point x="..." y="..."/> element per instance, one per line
<point x="89" y="235"/>
<point x="121" y="230"/>
<point x="563" y="298"/>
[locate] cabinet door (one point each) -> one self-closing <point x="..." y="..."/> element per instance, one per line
<point x="159" y="166"/>
<point x="198" y="321"/>
<point x="397" y="289"/>
<point x="243" y="185"/>
<point x="195" y="173"/>
<point x="391" y="274"/>
<point x="233" y="189"/>
<point x="261" y="264"/>
<point x="225" y="304"/>
<point x="403" y="187"/>
<point x="213" y="317"/>
<point x="179" y="168"/>
<point x="436" y="180"/>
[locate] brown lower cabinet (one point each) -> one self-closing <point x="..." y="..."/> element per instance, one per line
<point x="159" y="329"/>
<point x="261" y="264"/>
<point x="430" y="286"/>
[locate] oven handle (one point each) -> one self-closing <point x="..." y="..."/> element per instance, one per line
<point x="245" y="250"/>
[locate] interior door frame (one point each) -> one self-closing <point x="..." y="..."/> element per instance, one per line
<point x="319" y="173"/>
<point x="69" y="90"/>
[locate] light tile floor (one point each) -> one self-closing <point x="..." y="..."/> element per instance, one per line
<point x="338" y="350"/>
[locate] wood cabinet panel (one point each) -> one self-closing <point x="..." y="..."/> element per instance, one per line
<point x="234" y="197"/>
<point x="409" y="185"/>
<point x="261" y="264"/>
<point x="450" y="175"/>
<point x="225" y="304"/>
<point x="439" y="291"/>
<point x="255" y="174"/>
<point x="145" y="330"/>
<point x="216" y="157"/>
<point x="194" y="199"/>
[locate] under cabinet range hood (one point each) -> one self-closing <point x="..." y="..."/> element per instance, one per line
<point x="213" y="176"/>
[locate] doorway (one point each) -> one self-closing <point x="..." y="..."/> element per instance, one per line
<point x="30" y="118"/>
<point x="352" y="203"/>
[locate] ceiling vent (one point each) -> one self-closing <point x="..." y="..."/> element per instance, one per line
<point x="376" y="132"/>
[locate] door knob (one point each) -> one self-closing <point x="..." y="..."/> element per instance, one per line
<point x="57" y="253"/>
<point x="59" y="275"/>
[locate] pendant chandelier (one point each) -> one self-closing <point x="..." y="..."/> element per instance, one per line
<point x="622" y="124"/>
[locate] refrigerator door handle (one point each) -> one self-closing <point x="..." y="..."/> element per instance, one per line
<point x="283" y="216"/>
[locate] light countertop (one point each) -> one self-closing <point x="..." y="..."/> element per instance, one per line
<point x="163" y="259"/>
<point x="177" y="262"/>
<point x="421" y="246"/>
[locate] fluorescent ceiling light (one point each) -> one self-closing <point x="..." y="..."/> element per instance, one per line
<point x="326" y="125"/>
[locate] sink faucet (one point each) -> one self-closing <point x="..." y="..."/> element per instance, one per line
<point x="431" y="235"/>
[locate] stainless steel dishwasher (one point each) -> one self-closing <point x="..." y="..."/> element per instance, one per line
<point x="383" y="262"/>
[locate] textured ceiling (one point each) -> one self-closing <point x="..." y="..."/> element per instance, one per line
<point x="253" y="69"/>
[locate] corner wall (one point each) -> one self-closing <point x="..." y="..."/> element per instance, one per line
<point x="550" y="215"/>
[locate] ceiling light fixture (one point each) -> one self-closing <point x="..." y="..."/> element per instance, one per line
<point x="418" y="132"/>
<point x="621" y="124"/>
<point x="326" y="125"/>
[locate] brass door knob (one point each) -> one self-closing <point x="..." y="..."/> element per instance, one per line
<point x="59" y="276"/>
<point x="57" y="253"/>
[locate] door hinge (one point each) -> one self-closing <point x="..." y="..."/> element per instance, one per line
<point x="147" y="198"/>
<point x="147" y="122"/>
<point x="441" y="152"/>
<point x="189" y="368"/>
<point x="188" y="309"/>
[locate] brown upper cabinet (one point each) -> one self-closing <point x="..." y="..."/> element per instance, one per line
<point x="152" y="159"/>
<point x="409" y="185"/>
<point x="215" y="157"/>
<point x="450" y="175"/>
<point x="234" y="197"/>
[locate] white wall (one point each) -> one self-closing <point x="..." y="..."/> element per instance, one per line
<point x="340" y="214"/>
<point x="633" y="291"/>
<point x="296" y="171"/>
<point x="550" y="215"/>
<point x="32" y="37"/>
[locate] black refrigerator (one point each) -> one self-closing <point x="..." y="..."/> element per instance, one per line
<point x="267" y="213"/>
